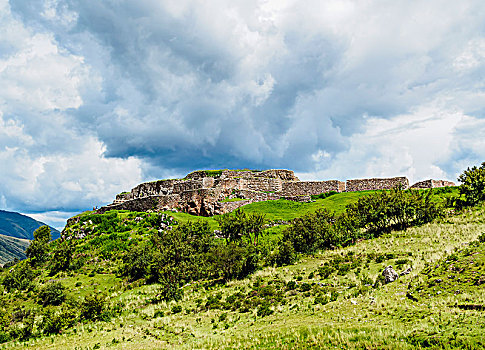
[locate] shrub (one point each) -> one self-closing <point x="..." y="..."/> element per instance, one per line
<point x="322" y="230"/>
<point x="176" y="309"/>
<point x="169" y="289"/>
<point x="325" y="270"/>
<point x="137" y="261"/>
<point x="305" y="287"/>
<point x="472" y="187"/>
<point x="234" y="261"/>
<point x="284" y="254"/>
<point x="37" y="250"/>
<point x="291" y="285"/>
<point x="61" y="257"/>
<point x="238" y="225"/>
<point x="93" y="306"/>
<point x="481" y="238"/>
<point x="52" y="294"/>
<point x="19" y="277"/>
<point x="264" y="309"/>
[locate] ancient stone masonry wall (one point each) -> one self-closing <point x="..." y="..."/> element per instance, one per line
<point x="300" y="188"/>
<point x="202" y="192"/>
<point x="376" y="184"/>
<point x="255" y="196"/>
<point x="432" y="184"/>
<point x="285" y="175"/>
<point x="188" y="185"/>
<point x="262" y="184"/>
<point x="238" y="174"/>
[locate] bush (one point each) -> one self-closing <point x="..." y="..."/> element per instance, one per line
<point x="93" y="306"/>
<point x="325" y="270"/>
<point x="137" y="261"/>
<point x="52" y="294"/>
<point x="61" y="257"/>
<point x="284" y="254"/>
<point x="234" y="261"/>
<point x="20" y="277"/>
<point x="472" y="187"/>
<point x="176" y="309"/>
<point x="37" y="250"/>
<point x="238" y="225"/>
<point x="321" y="230"/>
<point x="481" y="238"/>
<point x="169" y="289"/>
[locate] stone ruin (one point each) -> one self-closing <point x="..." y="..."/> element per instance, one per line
<point x="207" y="193"/>
<point x="432" y="184"/>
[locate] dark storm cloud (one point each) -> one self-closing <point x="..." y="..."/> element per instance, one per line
<point x="128" y="90"/>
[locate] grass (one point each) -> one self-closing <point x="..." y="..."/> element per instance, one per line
<point x="283" y="209"/>
<point x="360" y="317"/>
<point x="232" y="200"/>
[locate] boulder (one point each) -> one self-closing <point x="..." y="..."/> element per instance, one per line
<point x="389" y="274"/>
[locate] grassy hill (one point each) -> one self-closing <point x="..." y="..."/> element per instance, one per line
<point x="12" y="248"/>
<point x="15" y="232"/>
<point x="21" y="226"/>
<point x="330" y="299"/>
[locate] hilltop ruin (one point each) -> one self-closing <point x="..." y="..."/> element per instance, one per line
<point x="212" y="192"/>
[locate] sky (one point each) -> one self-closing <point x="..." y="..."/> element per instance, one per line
<point x="98" y="96"/>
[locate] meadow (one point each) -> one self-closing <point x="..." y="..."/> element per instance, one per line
<point x="332" y="298"/>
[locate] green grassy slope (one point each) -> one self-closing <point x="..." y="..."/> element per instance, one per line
<point x="306" y="309"/>
<point x="286" y="210"/>
<point x="12" y="248"/>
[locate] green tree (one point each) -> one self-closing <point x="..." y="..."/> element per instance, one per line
<point x="61" y="257"/>
<point x="472" y="188"/>
<point x="37" y="250"/>
<point x="238" y="225"/>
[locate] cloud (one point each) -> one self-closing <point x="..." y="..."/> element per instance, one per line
<point x="104" y="94"/>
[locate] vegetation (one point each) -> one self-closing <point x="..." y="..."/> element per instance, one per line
<point x="165" y="280"/>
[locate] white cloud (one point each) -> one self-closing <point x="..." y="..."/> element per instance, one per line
<point x="100" y="95"/>
<point x="414" y="145"/>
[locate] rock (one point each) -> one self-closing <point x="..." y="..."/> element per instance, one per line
<point x="406" y="272"/>
<point x="389" y="274"/>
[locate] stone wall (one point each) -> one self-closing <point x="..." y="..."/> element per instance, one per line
<point x="300" y="188"/>
<point x="262" y="184"/>
<point x="255" y="196"/>
<point x="201" y="193"/>
<point x="188" y="185"/>
<point x="432" y="184"/>
<point x="285" y="175"/>
<point x="238" y="174"/>
<point x="376" y="184"/>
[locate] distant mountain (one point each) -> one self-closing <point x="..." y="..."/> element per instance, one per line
<point x="21" y="226"/>
<point x="12" y="248"/>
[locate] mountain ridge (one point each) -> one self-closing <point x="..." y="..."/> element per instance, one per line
<point x="18" y="225"/>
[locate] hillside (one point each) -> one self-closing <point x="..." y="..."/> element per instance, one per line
<point x="331" y="298"/>
<point x="12" y="248"/>
<point x="21" y="226"/>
